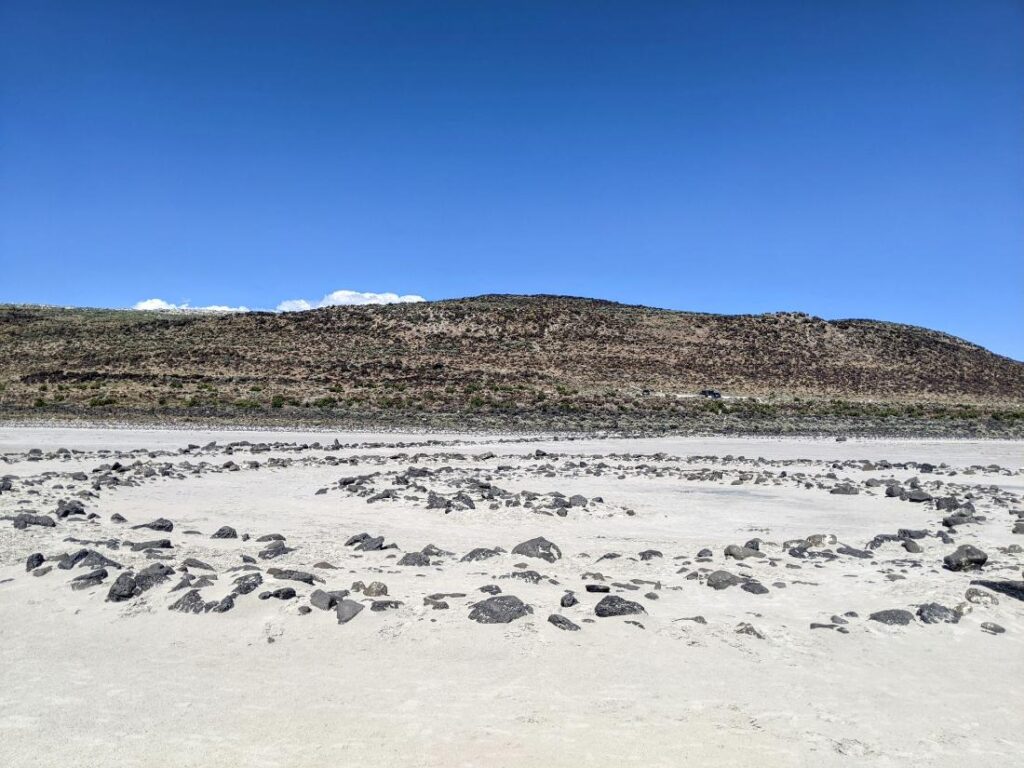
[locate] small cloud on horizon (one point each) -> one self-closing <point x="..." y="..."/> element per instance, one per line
<point x="338" y="298"/>
<point x="166" y="306"/>
<point x="333" y="299"/>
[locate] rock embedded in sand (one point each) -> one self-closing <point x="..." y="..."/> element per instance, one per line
<point x="723" y="580"/>
<point x="613" y="605"/>
<point x="568" y="600"/>
<point x="480" y="553"/>
<point x="417" y="559"/>
<point x="88" y="580"/>
<point x="123" y="588"/>
<point x="375" y="589"/>
<point x="161" y="524"/>
<point x="225" y="532"/>
<point x="935" y="613"/>
<point x="539" y="547"/>
<point x="892" y="617"/>
<point x="33" y="561"/>
<point x="247" y="583"/>
<point x="563" y="623"/>
<point x="287" y="574"/>
<point x="965" y="558"/>
<point x="501" y="609"/>
<point x="346" y="610"/>
<point x="737" y="552"/>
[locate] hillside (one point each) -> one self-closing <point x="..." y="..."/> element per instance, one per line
<point x="510" y="356"/>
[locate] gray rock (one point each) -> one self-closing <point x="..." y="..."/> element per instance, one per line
<point x="326" y="600"/>
<point x="89" y="580"/>
<point x="417" y="559"/>
<point x="375" y="589"/>
<point x="161" y="524"/>
<point x="892" y="617"/>
<point x="934" y="613"/>
<point x="563" y="623"/>
<point x="992" y="628"/>
<point x="965" y="558"/>
<point x="247" y="583"/>
<point x="1014" y="589"/>
<point x="501" y="609"/>
<point x="723" y="580"/>
<point x="741" y="553"/>
<point x="480" y="553"/>
<point x="613" y="605"/>
<point x="33" y="561"/>
<point x="123" y="588"/>
<point x="650" y="554"/>
<point x="568" y="600"/>
<point x="287" y="574"/>
<point x="538" y="547"/>
<point x="225" y="532"/>
<point x="154" y="544"/>
<point x="347" y="610"/>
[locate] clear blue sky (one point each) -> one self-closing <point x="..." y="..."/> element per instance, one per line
<point x="847" y="159"/>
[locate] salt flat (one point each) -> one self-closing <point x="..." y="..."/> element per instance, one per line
<point x="95" y="682"/>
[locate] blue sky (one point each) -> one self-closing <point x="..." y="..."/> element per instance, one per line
<point x="847" y="159"/>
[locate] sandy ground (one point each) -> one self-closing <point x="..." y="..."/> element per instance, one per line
<point x="89" y="682"/>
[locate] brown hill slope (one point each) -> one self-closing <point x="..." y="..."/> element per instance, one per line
<point x="512" y="354"/>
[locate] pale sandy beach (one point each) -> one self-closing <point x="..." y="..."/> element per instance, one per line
<point x="92" y="682"/>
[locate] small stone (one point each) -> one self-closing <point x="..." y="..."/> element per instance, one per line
<point x="892" y="617"/>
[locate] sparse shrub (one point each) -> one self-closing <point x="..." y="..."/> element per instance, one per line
<point x="277" y="401"/>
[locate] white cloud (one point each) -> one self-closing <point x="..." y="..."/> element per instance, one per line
<point x="347" y="297"/>
<point x="166" y="306"/>
<point x="333" y="299"/>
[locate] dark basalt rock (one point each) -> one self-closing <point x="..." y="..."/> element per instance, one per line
<point x="480" y="553"/>
<point x="281" y="593"/>
<point x="191" y="562"/>
<point x="270" y="537"/>
<point x="599" y="588"/>
<point x="563" y="623"/>
<point x="276" y="548"/>
<point x="965" y="558"/>
<point x="415" y="559"/>
<point x="326" y="600"/>
<point x="501" y="609"/>
<point x="116" y="518"/>
<point x="88" y="580"/>
<point x="23" y="520"/>
<point x="88" y="558"/>
<point x="225" y="532"/>
<point x="613" y="605"/>
<point x="934" y="613"/>
<point x="650" y="554"/>
<point x="741" y="553"/>
<point x="723" y="580"/>
<point x="568" y="600"/>
<point x="288" y="574"/>
<point x="385" y="605"/>
<point x="123" y="588"/>
<point x="150" y="576"/>
<point x="247" y="583"/>
<point x="346" y="610"/>
<point x="1014" y="589"/>
<point x="892" y="617"/>
<point x="155" y="544"/>
<point x="33" y="561"/>
<point x="538" y="547"/>
<point x="161" y="524"/>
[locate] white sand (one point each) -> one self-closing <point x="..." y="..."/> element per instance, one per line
<point x="85" y="682"/>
